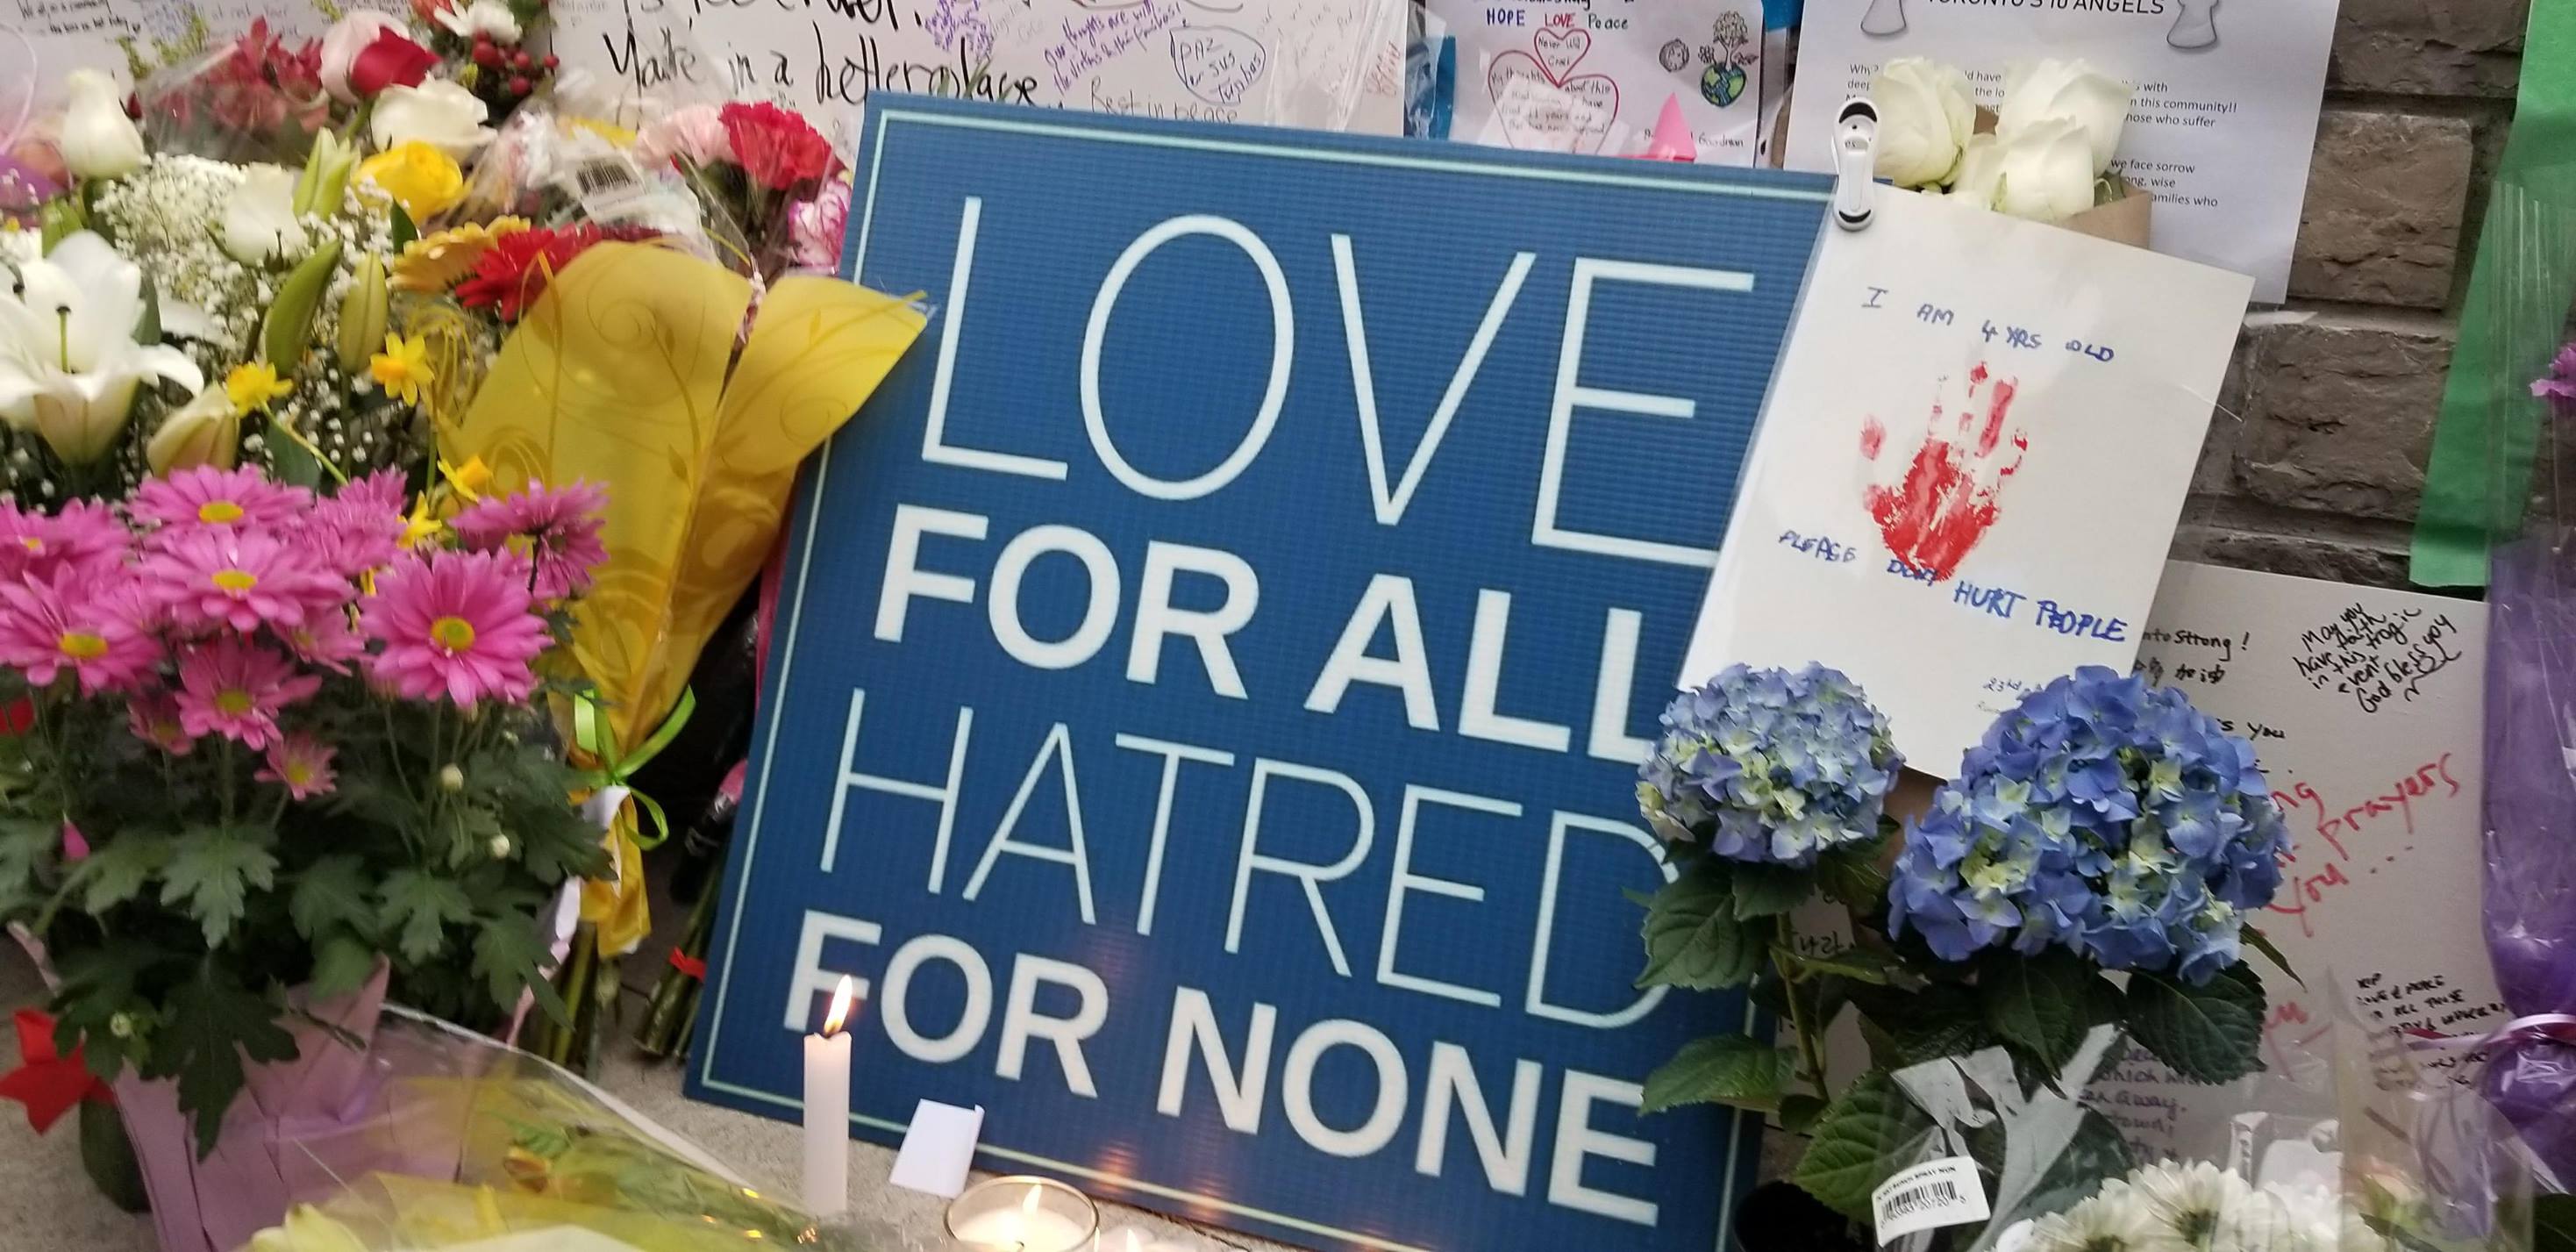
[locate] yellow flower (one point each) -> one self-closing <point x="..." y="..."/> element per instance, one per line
<point x="424" y="180"/>
<point x="256" y="386"/>
<point x="434" y="262"/>
<point x="423" y="525"/>
<point x="610" y="131"/>
<point x="402" y="369"/>
<point x="307" y="1230"/>
<point x="468" y="479"/>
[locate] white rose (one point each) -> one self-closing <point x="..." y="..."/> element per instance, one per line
<point x="345" y="40"/>
<point x="483" y="17"/>
<point x="98" y="140"/>
<point x="1925" y="116"/>
<point x="259" y="220"/>
<point x="438" y="113"/>
<point x="2036" y="91"/>
<point x="2045" y="171"/>
<point x="1981" y="171"/>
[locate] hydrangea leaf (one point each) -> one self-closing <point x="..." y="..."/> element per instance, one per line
<point x="1867" y="965"/>
<point x="424" y="906"/>
<point x="1927" y="1025"/>
<point x="2260" y="942"/>
<point x="1721" y="1069"/>
<point x="1693" y="939"/>
<point x="2039" y="1003"/>
<point x="1851" y="876"/>
<point x="212" y="870"/>
<point x="1764" y="890"/>
<point x="1864" y="1137"/>
<point x="2207" y="1034"/>
<point x="1798" y="1112"/>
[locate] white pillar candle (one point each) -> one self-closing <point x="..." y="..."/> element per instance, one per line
<point x="827" y="1111"/>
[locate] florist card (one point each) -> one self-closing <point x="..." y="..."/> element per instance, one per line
<point x="1970" y="464"/>
<point x="1578" y="76"/>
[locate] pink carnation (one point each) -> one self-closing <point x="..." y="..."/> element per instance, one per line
<point x="214" y="579"/>
<point x="301" y="765"/>
<point x="74" y="622"/>
<point x="236" y="689"/>
<point x="561" y="528"/>
<point x="209" y="498"/>
<point x="818" y="226"/>
<point x="694" y="135"/>
<point x="458" y="624"/>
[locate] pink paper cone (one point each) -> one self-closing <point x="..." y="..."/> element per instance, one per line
<point x="1672" y="140"/>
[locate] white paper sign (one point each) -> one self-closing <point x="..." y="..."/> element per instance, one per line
<point x="2365" y="710"/>
<point x="1325" y="64"/>
<point x="1580" y="76"/>
<point x="1970" y="465"/>
<point x="2220" y="129"/>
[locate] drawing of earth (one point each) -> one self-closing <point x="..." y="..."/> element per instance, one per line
<point x="1723" y="83"/>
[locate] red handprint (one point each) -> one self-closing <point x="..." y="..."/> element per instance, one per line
<point x="1944" y="502"/>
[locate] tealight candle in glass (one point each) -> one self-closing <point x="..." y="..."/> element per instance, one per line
<point x="1024" y="1214"/>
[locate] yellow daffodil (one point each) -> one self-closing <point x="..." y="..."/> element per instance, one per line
<point x="402" y="369"/>
<point x="423" y="525"/>
<point x="423" y="180"/>
<point x="256" y="386"/>
<point x="435" y="261"/>
<point x="468" y="479"/>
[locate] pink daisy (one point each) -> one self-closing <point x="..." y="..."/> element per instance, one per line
<point x="457" y="623"/>
<point x="236" y="689"/>
<point x="214" y="578"/>
<point x="154" y="719"/>
<point x="71" y="622"/>
<point x="359" y="529"/>
<point x="301" y="765"/>
<point x="326" y="640"/>
<point x="85" y="536"/>
<point x="209" y="498"/>
<point x="561" y="529"/>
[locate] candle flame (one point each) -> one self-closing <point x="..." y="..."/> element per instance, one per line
<point x="1029" y="1206"/>
<point x="840" y="1014"/>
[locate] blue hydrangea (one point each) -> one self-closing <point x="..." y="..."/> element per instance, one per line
<point x="2103" y="816"/>
<point x="1769" y="765"/>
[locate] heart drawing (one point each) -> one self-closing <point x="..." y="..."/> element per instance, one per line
<point x="1541" y="103"/>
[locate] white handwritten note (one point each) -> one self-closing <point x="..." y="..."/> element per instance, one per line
<point x="1325" y="64"/>
<point x="1970" y="464"/>
<point x="2364" y="708"/>
<point x="1580" y="76"/>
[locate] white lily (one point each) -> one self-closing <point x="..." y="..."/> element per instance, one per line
<point x="259" y="220"/>
<point x="68" y="360"/>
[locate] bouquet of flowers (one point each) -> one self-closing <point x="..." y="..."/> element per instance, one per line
<point x="2102" y="826"/>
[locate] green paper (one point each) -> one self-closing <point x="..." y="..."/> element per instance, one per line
<point x="2477" y="482"/>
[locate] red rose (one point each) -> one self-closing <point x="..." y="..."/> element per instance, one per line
<point x="391" y="61"/>
<point x="776" y="146"/>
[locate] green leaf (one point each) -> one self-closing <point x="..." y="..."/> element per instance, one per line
<point x="1693" y="939"/>
<point x="2037" y="1002"/>
<point x="1941" y="1020"/>
<point x="509" y="956"/>
<point x="1859" y="964"/>
<point x="117" y="870"/>
<point x="331" y="892"/>
<point x="147" y="327"/>
<point x="212" y="870"/>
<point x="292" y="465"/>
<point x="2207" y="1034"/>
<point x="2260" y="942"/>
<point x="1865" y="1136"/>
<point x="213" y="1024"/>
<point x="423" y="907"/>
<point x="405" y="229"/>
<point x="1850" y="876"/>
<point x="2075" y="1171"/>
<point x="341" y="964"/>
<point x="25" y="844"/>
<point x="1798" y="1112"/>
<point x="2553" y="1223"/>
<point x="1721" y="1069"/>
<point x="1770" y="890"/>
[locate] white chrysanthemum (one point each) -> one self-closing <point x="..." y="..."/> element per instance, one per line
<point x="2190" y="1199"/>
<point x="2114" y="1220"/>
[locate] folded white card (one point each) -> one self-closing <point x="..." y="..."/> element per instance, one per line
<point x="938" y="1148"/>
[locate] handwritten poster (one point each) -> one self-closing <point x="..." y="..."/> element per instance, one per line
<point x="2220" y="127"/>
<point x="1581" y="76"/>
<point x="66" y="34"/>
<point x="1970" y="464"/>
<point x="1323" y="64"/>
<point x="2364" y="707"/>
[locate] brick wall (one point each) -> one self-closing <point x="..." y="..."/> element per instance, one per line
<point x="2316" y="453"/>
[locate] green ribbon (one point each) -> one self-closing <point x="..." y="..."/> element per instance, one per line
<point x="2478" y="480"/>
<point x="593" y="734"/>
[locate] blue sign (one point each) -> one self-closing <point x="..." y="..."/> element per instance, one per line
<point x="1208" y="690"/>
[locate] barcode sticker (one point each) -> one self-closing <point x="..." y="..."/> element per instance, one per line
<point x="1927" y="1197"/>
